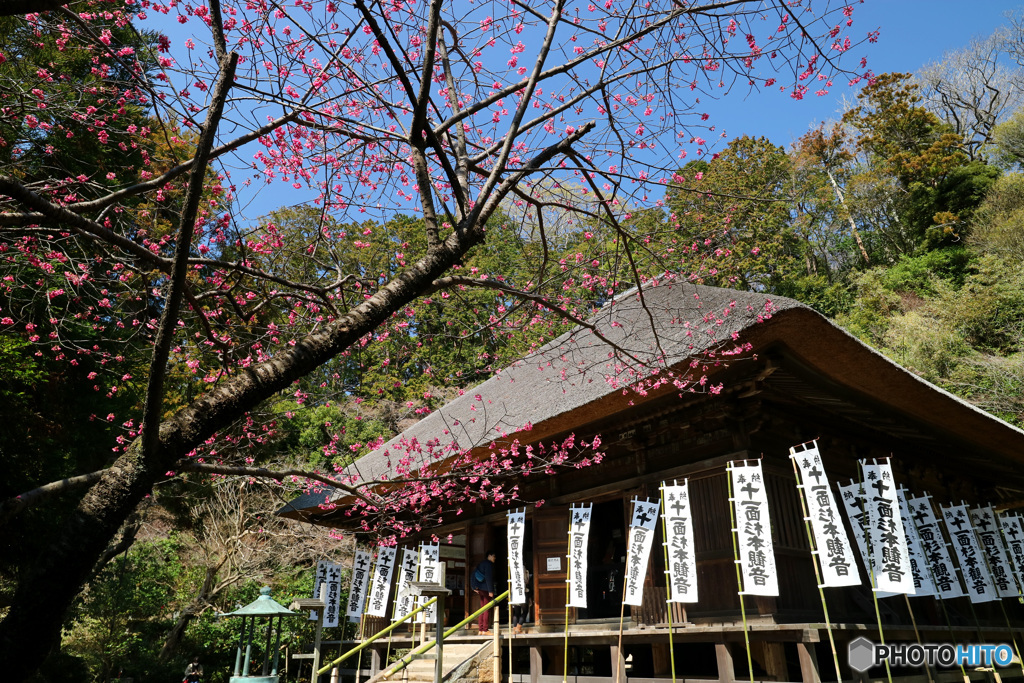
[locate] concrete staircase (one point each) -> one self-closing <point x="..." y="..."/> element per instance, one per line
<point x="457" y="658"/>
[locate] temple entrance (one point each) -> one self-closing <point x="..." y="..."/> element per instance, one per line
<point x="606" y="556"/>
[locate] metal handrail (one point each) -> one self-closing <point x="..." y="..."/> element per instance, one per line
<point x="408" y="658"/>
<point x="380" y="634"/>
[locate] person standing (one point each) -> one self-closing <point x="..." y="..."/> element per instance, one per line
<point x="482" y="582"/>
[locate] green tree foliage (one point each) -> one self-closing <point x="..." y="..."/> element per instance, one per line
<point x="738" y="208"/>
<point x="46" y="74"/>
<point x="999" y="224"/>
<point x="916" y="172"/>
<point x="124" y="612"/>
<point x="1008" y="140"/>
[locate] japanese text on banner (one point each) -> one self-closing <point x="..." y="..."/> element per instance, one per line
<point x="887" y="542"/>
<point x="579" y="531"/>
<point x="516" y="570"/>
<point x="943" y="571"/>
<point x="682" y="565"/>
<point x="406" y="572"/>
<point x="835" y="556"/>
<point x="965" y="544"/>
<point x="430" y="571"/>
<point x="357" y="588"/>
<point x="378" y="602"/>
<point x="753" y="530"/>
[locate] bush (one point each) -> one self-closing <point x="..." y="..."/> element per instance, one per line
<point x="999" y="221"/>
<point x="918" y="274"/>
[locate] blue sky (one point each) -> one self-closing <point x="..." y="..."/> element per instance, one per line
<point x="913" y="33"/>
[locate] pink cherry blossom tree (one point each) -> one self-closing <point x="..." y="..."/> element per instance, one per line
<point x="556" y="122"/>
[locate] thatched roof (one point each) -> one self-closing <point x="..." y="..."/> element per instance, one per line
<point x="580" y="376"/>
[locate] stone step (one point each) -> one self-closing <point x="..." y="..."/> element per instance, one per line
<point x="422" y="670"/>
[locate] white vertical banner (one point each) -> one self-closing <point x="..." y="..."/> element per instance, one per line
<point x="357" y="587"/>
<point x="753" y="530"/>
<point x="430" y="570"/>
<point x="936" y="552"/>
<point x="682" y="565"/>
<point x="835" y="555"/>
<point x="1013" y="536"/>
<point x="972" y="564"/>
<point x="852" y="496"/>
<point x="984" y="521"/>
<point x="332" y="603"/>
<point x="516" y="573"/>
<point x="923" y="584"/>
<point x="406" y="573"/>
<point x="319" y="579"/>
<point x="579" y="532"/>
<point x="887" y="542"/>
<point x="377" y="605"/>
<point x="638" y="549"/>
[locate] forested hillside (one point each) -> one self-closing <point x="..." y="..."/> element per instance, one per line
<point x="903" y="222"/>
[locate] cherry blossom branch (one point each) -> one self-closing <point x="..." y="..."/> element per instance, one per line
<point x="153" y="408"/>
<point x="276" y="475"/>
<point x="41" y="213"/>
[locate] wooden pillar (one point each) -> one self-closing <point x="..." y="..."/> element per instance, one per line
<point x="723" y="655"/>
<point x="662" y="657"/>
<point x="536" y="665"/>
<point x="374" y="662"/>
<point x="808" y="663"/>
<point x="773" y="660"/>
<point x="556" y="659"/>
<point x="618" y="664"/>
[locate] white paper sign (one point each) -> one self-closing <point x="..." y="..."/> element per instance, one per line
<point x="965" y="544"/>
<point x="579" y="531"/>
<point x="943" y="571"/>
<point x="318" y="580"/>
<point x="887" y="542"/>
<point x="516" y="570"/>
<point x="332" y="602"/>
<point x="378" y="603"/>
<point x="984" y="521"/>
<point x="753" y="530"/>
<point x="407" y="572"/>
<point x="1013" y="536"/>
<point x="638" y="549"/>
<point x="833" y="550"/>
<point x="923" y="585"/>
<point x="357" y="587"/>
<point x="682" y="565"/>
<point x="430" y="570"/>
<point x="853" y="501"/>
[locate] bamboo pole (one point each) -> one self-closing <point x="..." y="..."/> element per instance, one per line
<point x="668" y="584"/>
<point x="928" y="566"/>
<point x="988" y="568"/>
<point x="739" y="574"/>
<point x="815" y="561"/>
<point x="408" y="658"/>
<point x="568" y="565"/>
<point x="871" y="566"/>
<point x="622" y="614"/>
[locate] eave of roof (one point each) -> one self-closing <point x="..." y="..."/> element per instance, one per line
<point x="578" y="377"/>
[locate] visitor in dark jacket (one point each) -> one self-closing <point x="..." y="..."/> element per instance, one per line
<point x="482" y="582"/>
